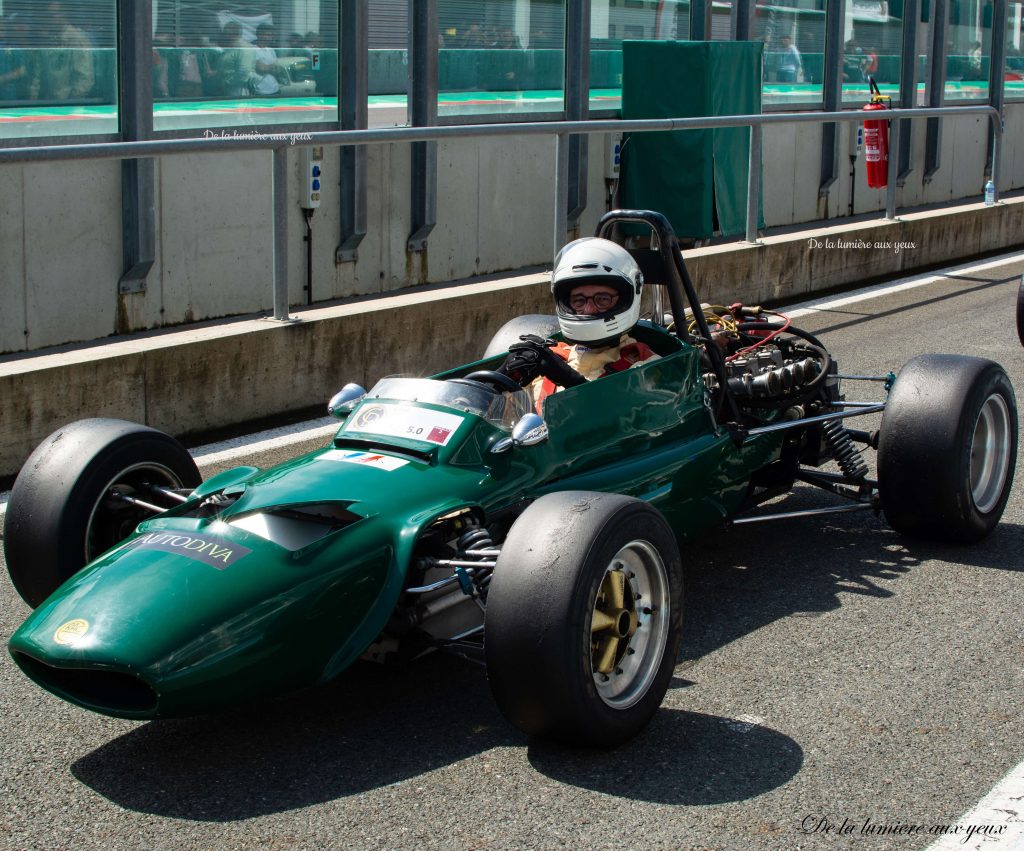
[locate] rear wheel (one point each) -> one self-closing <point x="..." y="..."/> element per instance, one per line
<point x="1020" y="311"/>
<point x="62" y="513"/>
<point x="584" y="618"/>
<point x="948" y="447"/>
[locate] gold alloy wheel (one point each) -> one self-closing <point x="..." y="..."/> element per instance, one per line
<point x="629" y="624"/>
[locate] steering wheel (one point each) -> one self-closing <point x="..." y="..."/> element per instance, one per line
<point x="497" y="381"/>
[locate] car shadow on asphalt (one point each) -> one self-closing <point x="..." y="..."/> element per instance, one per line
<point x="749" y="576"/>
<point x="370" y="728"/>
<point x="683" y="758"/>
<point x="376" y="727"/>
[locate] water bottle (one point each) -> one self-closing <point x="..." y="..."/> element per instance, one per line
<point x="990" y="194"/>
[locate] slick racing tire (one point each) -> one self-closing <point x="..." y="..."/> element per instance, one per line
<point x="947" y="448"/>
<point x="61" y="516"/>
<point x="584" y="618"/>
<point x="1020" y="311"/>
<point x="541" y="324"/>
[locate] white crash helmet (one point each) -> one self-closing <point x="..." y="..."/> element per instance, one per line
<point x="596" y="261"/>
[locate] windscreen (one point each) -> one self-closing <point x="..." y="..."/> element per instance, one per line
<point x="500" y="408"/>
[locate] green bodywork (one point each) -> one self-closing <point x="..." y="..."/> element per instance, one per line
<point x="203" y="613"/>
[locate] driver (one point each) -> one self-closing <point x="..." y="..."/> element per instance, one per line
<point x="596" y="285"/>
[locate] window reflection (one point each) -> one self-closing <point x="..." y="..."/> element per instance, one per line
<point x="1013" y="72"/>
<point x="872" y="48"/>
<point x="58" y="53"/>
<point x="58" y="68"/>
<point x="794" y="51"/>
<point x="221" y="64"/>
<point x="500" y="56"/>
<point x="615" y="21"/>
<point x="968" y="50"/>
<point x="228" y="63"/>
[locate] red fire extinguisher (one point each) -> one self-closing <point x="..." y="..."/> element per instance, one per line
<point x="876" y="140"/>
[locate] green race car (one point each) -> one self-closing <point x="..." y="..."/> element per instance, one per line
<point x="447" y="513"/>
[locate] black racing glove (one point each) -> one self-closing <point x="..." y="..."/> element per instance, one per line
<point x="532" y="356"/>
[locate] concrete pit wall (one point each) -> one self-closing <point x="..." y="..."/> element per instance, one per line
<point x="60" y="225"/>
<point x="223" y="373"/>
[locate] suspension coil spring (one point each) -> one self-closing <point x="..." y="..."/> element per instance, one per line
<point x="847" y="456"/>
<point x="477" y="538"/>
<point x="477" y="545"/>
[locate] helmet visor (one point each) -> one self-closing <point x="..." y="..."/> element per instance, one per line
<point x="570" y="302"/>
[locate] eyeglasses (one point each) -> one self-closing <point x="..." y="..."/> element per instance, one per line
<point x="602" y="301"/>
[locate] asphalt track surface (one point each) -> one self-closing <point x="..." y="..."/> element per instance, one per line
<point x="831" y="670"/>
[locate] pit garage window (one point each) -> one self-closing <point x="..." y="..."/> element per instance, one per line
<point x="794" y="52"/>
<point x="1013" y="68"/>
<point x="614" y="21"/>
<point x="872" y="47"/>
<point x="58" y="68"/>
<point x="968" y="51"/>
<point x="220" y="64"/>
<point x="498" y="57"/>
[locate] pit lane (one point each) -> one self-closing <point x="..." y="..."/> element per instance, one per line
<point x="833" y="675"/>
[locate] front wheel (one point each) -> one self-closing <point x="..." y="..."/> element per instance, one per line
<point x="64" y="510"/>
<point x="948" y="447"/>
<point x="584" y="618"/>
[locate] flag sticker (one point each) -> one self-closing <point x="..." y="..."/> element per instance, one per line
<point x="439" y="435"/>
<point x="366" y="459"/>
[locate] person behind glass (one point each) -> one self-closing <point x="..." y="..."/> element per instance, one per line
<point x="297" y="46"/>
<point x="188" y="66"/>
<point x="18" y="67"/>
<point x="473" y="37"/>
<point x="853" y="63"/>
<point x="266" y="68"/>
<point x="974" y="57"/>
<point x="236" y="66"/>
<point x="162" y="58"/>
<point x="65" y="71"/>
<point x="596" y="286"/>
<point x="790" y="63"/>
<point x="870" y="63"/>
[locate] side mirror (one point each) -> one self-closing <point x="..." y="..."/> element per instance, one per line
<point x="344" y="400"/>
<point x="529" y="431"/>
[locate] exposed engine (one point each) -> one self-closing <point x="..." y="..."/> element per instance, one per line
<point x="768" y="363"/>
<point x="766" y="374"/>
<point x="772" y="368"/>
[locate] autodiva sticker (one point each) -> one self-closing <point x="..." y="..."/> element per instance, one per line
<point x="406" y="421"/>
<point x="209" y="549"/>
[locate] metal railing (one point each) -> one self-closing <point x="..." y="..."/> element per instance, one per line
<point x="560" y="130"/>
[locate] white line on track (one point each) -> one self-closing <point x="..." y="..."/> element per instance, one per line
<point x="226" y="450"/>
<point x="215" y="453"/>
<point x="877" y="290"/>
<point x="997" y="821"/>
<point x="238" y="447"/>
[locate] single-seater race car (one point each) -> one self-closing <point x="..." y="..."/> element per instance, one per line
<point x="447" y="513"/>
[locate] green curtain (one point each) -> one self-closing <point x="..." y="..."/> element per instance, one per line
<point x="690" y="175"/>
